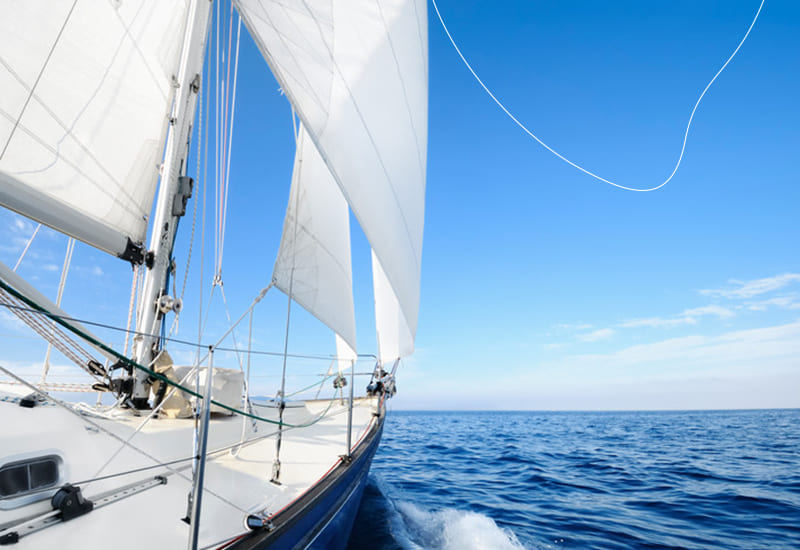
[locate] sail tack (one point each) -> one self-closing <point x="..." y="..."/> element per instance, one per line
<point x="356" y="72"/>
<point x="86" y="92"/>
<point x="313" y="265"/>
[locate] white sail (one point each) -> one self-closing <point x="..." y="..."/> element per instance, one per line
<point x="395" y="338"/>
<point x="313" y="264"/>
<point x="345" y="355"/>
<point x="86" y="92"/>
<point x="356" y="72"/>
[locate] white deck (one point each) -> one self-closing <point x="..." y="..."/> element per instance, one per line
<point x="235" y="484"/>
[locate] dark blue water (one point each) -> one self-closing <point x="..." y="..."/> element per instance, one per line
<point x="497" y="480"/>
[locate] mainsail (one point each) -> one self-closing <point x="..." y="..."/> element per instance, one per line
<point x="357" y="75"/>
<point x="313" y="265"/>
<point x="86" y="94"/>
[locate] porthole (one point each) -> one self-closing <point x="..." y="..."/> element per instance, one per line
<point x="28" y="476"/>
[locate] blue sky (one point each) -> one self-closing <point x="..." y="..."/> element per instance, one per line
<point x="543" y="288"/>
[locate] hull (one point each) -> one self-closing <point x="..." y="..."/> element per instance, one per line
<point x="323" y="517"/>
<point x="313" y="508"/>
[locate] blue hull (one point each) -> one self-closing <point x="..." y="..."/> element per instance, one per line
<point x="323" y="518"/>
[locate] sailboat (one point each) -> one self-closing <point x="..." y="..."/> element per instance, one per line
<point x="100" y="102"/>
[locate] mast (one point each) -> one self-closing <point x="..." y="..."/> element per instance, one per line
<point x="173" y="193"/>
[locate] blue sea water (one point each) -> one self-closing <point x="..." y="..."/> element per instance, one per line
<point x="607" y="480"/>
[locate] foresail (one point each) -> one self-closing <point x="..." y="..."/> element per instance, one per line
<point x="86" y="93"/>
<point x="345" y="355"/>
<point x="395" y="338"/>
<point x="356" y="71"/>
<point x="313" y="265"/>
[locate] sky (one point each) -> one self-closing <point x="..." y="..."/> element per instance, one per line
<point x="542" y="288"/>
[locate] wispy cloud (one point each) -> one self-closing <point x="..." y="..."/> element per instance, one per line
<point x="751" y="347"/>
<point x="748" y="289"/>
<point x="597" y="335"/>
<point x="658" y="322"/>
<point x="9" y="321"/>
<point x="719" y="311"/>
<point x="754" y="368"/>
<point x="687" y="317"/>
<point x="786" y="302"/>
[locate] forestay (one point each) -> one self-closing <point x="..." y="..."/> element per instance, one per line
<point x="313" y="265"/>
<point x="356" y="73"/>
<point x="86" y="93"/>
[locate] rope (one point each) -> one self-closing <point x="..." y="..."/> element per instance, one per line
<point x="312" y="386"/>
<point x="111" y="434"/>
<point x="59" y="386"/>
<point x="157" y="376"/>
<point x="565" y="159"/>
<point x="171" y="340"/>
<point x="52" y="334"/>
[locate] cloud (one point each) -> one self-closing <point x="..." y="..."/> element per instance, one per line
<point x="658" y="322"/>
<point x="753" y="347"/>
<point x="687" y="317"/>
<point x="719" y="311"/>
<point x="10" y="321"/>
<point x="785" y="302"/>
<point x="597" y="335"/>
<point x="748" y="289"/>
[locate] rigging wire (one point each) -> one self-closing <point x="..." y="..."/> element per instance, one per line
<point x="60" y="295"/>
<point x="131" y="307"/>
<point x="153" y="374"/>
<point x="176" y="341"/>
<point x="562" y="157"/>
<point x="27" y="246"/>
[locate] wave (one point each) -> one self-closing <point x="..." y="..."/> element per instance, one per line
<point x="412" y="527"/>
<point x="448" y="529"/>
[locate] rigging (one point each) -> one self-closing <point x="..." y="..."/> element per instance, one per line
<point x="565" y="159"/>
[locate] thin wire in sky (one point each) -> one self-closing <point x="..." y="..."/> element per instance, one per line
<point x="565" y="159"/>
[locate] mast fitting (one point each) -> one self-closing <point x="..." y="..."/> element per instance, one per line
<point x="133" y="253"/>
<point x="182" y="195"/>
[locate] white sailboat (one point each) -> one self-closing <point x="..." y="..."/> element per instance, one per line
<point x="98" y="101"/>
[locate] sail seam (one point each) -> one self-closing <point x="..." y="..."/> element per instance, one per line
<point x="402" y="87"/>
<point x="374" y="147"/>
<point x="271" y="59"/>
<point x="69" y="130"/>
<point x="38" y="77"/>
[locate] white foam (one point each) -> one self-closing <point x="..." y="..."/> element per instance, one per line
<point x="449" y="529"/>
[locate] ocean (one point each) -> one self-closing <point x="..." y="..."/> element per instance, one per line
<point x="569" y="480"/>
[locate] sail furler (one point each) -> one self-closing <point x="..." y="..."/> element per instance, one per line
<point x="87" y="90"/>
<point x="314" y="265"/>
<point x="356" y="72"/>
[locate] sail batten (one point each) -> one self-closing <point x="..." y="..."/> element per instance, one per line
<point x="87" y="90"/>
<point x="356" y="72"/>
